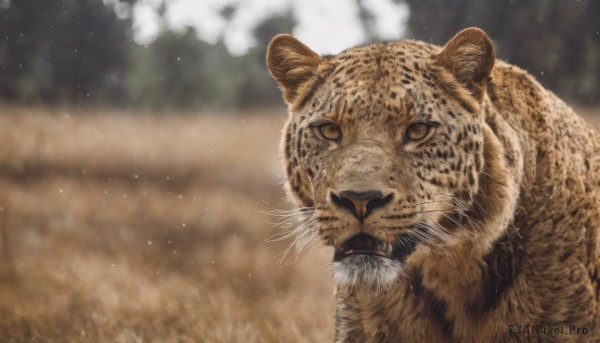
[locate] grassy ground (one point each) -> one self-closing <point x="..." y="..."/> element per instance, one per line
<point x="127" y="227"/>
<point x="137" y="228"/>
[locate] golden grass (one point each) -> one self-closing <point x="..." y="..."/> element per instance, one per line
<point x="137" y="228"/>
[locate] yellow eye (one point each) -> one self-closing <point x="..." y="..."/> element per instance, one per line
<point x="330" y="132"/>
<point x="417" y="131"/>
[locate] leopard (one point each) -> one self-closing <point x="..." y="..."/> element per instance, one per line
<point x="459" y="197"/>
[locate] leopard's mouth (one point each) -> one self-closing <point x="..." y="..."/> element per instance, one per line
<point x="365" y="244"/>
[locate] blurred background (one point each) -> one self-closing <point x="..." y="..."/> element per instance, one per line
<point x="139" y="155"/>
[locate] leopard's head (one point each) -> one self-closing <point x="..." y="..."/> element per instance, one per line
<point x="387" y="150"/>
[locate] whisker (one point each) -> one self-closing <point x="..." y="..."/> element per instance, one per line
<point x="298" y="224"/>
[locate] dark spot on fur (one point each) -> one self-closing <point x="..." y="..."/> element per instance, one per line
<point x="299" y="142"/>
<point x="435" y="306"/>
<point x="288" y="151"/>
<point x="502" y="268"/>
<point x="311" y="92"/>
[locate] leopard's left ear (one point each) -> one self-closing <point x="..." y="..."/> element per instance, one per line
<point x="470" y="57"/>
<point x="291" y="63"/>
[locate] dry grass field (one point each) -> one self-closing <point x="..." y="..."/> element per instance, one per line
<point x="123" y="227"/>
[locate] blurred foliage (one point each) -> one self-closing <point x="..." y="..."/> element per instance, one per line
<point x="367" y="19"/>
<point x="82" y="51"/>
<point x="179" y="71"/>
<point x="172" y="71"/>
<point x="62" y="50"/>
<point x="558" y="41"/>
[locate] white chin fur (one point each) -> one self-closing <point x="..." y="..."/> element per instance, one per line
<point x="367" y="272"/>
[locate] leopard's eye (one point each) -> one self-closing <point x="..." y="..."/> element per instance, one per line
<point x="330" y="132"/>
<point x="417" y="131"/>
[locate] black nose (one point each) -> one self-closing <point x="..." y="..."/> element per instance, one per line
<point x="361" y="204"/>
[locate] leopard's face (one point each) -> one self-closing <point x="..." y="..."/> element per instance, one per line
<point x="388" y="150"/>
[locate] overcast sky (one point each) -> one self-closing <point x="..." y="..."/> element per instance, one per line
<point x="327" y="26"/>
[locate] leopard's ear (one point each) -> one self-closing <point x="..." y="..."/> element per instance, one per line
<point x="291" y="63"/>
<point x="470" y="57"/>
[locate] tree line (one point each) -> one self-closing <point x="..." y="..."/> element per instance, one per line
<point x="83" y="52"/>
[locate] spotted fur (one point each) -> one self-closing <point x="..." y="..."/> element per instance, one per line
<point x="498" y="206"/>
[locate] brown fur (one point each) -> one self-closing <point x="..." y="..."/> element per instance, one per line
<point x="509" y="179"/>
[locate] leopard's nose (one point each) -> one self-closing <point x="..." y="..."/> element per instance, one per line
<point x="361" y="204"/>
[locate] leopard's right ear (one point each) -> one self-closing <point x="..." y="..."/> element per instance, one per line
<point x="291" y="63"/>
